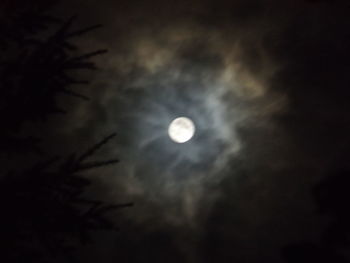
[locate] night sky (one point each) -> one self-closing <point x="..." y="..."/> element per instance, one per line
<point x="266" y="84"/>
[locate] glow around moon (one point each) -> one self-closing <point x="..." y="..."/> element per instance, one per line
<point x="181" y="130"/>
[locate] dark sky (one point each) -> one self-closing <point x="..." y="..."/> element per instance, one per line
<point x="266" y="84"/>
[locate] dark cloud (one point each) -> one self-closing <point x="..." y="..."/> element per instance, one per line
<point x="266" y="85"/>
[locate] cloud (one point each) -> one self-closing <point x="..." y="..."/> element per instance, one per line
<point x="250" y="76"/>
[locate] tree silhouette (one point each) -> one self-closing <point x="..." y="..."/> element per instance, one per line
<point x="44" y="214"/>
<point x="45" y="207"/>
<point x="35" y="71"/>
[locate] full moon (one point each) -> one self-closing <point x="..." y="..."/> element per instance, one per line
<point x="181" y="130"/>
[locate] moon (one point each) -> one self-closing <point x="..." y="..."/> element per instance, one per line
<point x="181" y="129"/>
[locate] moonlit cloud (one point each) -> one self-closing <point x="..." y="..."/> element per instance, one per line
<point x="180" y="71"/>
<point x="238" y="70"/>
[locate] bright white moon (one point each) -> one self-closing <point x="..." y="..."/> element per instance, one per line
<point x="181" y="130"/>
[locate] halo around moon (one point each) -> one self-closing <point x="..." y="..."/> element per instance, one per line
<point x="181" y="129"/>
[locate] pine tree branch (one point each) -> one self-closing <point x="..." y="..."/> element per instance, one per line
<point x="74" y="94"/>
<point x="93" y="149"/>
<point x="90" y="165"/>
<point x="83" y="31"/>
